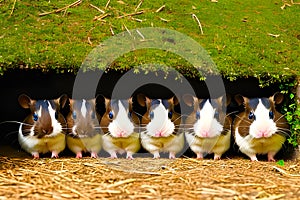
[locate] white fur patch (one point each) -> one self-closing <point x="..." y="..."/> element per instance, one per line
<point x="121" y="126"/>
<point x="57" y="127"/>
<point x="262" y="126"/>
<point x="207" y="125"/>
<point x="160" y="125"/>
<point x="83" y="108"/>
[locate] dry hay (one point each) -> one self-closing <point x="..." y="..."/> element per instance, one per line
<point x="146" y="178"/>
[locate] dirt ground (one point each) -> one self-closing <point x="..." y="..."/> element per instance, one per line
<point x="145" y="178"/>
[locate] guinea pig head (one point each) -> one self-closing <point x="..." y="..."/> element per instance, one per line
<point x="208" y="116"/>
<point x="118" y="118"/>
<point x="260" y="119"/>
<point x="82" y="119"/>
<point x="45" y="119"/>
<point x="160" y="119"/>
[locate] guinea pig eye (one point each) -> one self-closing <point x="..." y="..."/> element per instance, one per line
<point x="216" y="115"/>
<point x="110" y="115"/>
<point x="271" y="115"/>
<point x="251" y="115"/>
<point x="74" y="115"/>
<point x="56" y="115"/>
<point x="129" y="115"/>
<point x="170" y="114"/>
<point x="35" y="117"/>
<point x="197" y="115"/>
<point x="151" y="115"/>
<point x="93" y="115"/>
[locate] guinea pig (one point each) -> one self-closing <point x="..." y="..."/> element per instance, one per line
<point x="208" y="128"/>
<point x="83" y="133"/>
<point x="161" y="124"/>
<point x="119" y="124"/>
<point x="260" y="128"/>
<point x="42" y="130"/>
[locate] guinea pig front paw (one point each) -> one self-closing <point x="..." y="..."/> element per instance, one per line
<point x="78" y="155"/>
<point x="253" y="158"/>
<point x="199" y="156"/>
<point x="271" y="157"/>
<point x="54" y="154"/>
<point x="172" y="155"/>
<point x="94" y="155"/>
<point x="36" y="155"/>
<point x="156" y="155"/>
<point x="217" y="157"/>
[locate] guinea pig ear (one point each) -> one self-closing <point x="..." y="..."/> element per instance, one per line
<point x="239" y="99"/>
<point x="277" y="97"/>
<point x="228" y="99"/>
<point x="25" y="101"/>
<point x="62" y="100"/>
<point x="175" y="100"/>
<point x="142" y="100"/>
<point x="189" y="99"/>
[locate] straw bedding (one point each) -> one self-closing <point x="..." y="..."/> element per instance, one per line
<point x="147" y="178"/>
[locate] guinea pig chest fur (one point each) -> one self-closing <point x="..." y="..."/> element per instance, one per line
<point x="208" y="128"/>
<point x="83" y="128"/>
<point x="119" y="123"/>
<point x="42" y="130"/>
<point x="260" y="129"/>
<point x="161" y="123"/>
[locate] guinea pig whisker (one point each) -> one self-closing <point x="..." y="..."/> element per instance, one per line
<point x="281" y="117"/>
<point x="243" y="119"/>
<point x="17" y="122"/>
<point x="233" y="112"/>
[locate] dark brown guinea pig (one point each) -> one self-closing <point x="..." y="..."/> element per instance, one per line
<point x="260" y="128"/>
<point x="83" y="128"/>
<point x="43" y="129"/>
<point x="119" y="123"/>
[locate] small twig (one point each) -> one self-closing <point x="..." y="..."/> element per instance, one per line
<point x="274" y="35"/>
<point x="139" y="5"/>
<point x="61" y="9"/>
<point x="13" y="8"/>
<point x="112" y="31"/>
<point x="101" y="17"/>
<point x="89" y="40"/>
<point x="102" y="11"/>
<point x="140" y="34"/>
<point x="198" y="21"/>
<point x="164" y="20"/>
<point x="108" y="2"/>
<point x="131" y="14"/>
<point x="121" y="183"/>
<point x="285" y="173"/>
<point x="161" y="8"/>
<point x="136" y="19"/>
<point x="292" y="1"/>
<point x="127" y="29"/>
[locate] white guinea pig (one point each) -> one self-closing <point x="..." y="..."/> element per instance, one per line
<point x="161" y="123"/>
<point x="42" y="130"/>
<point x="260" y="129"/>
<point x="119" y="124"/>
<point x="83" y="128"/>
<point x="208" y="128"/>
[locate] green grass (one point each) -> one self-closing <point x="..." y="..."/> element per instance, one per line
<point x="235" y="35"/>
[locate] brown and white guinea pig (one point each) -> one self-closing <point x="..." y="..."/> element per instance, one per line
<point x="161" y="124"/>
<point x="83" y="134"/>
<point x="42" y="130"/>
<point x="208" y="128"/>
<point x="260" y="128"/>
<point x="119" y="124"/>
